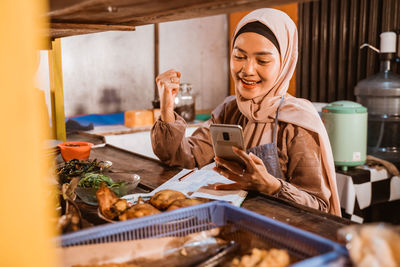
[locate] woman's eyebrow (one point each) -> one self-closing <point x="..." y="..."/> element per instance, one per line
<point x="262" y="53"/>
<point x="241" y="50"/>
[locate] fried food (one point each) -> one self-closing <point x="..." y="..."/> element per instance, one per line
<point x="120" y="206"/>
<point x="162" y="199"/>
<point x="181" y="203"/>
<point x="263" y="258"/>
<point x="114" y="208"/>
<point x="138" y="210"/>
<point x="109" y="204"/>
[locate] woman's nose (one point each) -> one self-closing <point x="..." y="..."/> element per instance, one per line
<point x="249" y="67"/>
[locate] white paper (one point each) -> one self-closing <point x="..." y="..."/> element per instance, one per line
<point x="198" y="183"/>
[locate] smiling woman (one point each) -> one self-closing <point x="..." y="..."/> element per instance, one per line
<point x="287" y="152"/>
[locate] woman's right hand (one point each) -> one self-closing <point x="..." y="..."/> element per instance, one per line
<point x="168" y="86"/>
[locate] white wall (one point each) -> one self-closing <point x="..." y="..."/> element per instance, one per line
<point x="198" y="48"/>
<point x="108" y="72"/>
<point x="114" y="71"/>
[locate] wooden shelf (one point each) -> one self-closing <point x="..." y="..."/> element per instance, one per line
<point x="73" y="17"/>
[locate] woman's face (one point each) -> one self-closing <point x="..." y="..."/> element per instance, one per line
<point x="255" y="64"/>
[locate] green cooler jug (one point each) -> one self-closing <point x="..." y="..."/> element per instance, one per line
<point x="346" y="124"/>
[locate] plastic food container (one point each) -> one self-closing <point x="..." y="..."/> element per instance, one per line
<point x="308" y="248"/>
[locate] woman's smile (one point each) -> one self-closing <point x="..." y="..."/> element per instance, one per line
<point x="249" y="84"/>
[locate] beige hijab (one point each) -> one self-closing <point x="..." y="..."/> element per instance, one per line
<point x="301" y="112"/>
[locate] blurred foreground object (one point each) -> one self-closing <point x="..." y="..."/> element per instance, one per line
<point x="26" y="230"/>
<point x="372" y="245"/>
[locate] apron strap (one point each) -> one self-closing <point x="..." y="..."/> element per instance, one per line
<point x="276" y="120"/>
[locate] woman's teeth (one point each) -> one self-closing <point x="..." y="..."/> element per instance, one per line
<point x="249" y="82"/>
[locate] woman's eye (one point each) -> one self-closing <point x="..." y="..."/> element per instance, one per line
<point x="239" y="57"/>
<point x="263" y="62"/>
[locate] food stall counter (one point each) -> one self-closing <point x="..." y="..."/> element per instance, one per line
<point x="153" y="173"/>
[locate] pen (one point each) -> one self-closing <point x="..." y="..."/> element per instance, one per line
<point x="185" y="175"/>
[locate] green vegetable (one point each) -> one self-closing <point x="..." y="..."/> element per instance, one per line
<point x="77" y="167"/>
<point x="93" y="180"/>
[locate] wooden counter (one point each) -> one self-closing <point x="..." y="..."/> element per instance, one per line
<point x="153" y="174"/>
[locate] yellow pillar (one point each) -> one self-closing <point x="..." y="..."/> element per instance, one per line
<point x="57" y="91"/>
<point x="25" y="202"/>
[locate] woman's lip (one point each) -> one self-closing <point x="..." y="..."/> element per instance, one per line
<point x="248" y="86"/>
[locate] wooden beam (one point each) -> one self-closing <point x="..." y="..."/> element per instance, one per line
<point x="133" y="12"/>
<point x="102" y="27"/>
<point x="58" y="30"/>
<point x="57" y="91"/>
<point x="89" y="16"/>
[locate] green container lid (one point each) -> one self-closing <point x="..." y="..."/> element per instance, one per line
<point x="344" y="107"/>
<point x="203" y="116"/>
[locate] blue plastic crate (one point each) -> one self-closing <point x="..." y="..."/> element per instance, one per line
<point x="312" y="250"/>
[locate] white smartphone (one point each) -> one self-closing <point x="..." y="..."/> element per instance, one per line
<point x="224" y="136"/>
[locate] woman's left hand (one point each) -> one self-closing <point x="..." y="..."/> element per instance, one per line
<point x="253" y="177"/>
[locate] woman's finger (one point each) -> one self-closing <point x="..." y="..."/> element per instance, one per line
<point x="245" y="157"/>
<point x="166" y="76"/>
<point x="174" y="80"/>
<point x="167" y="86"/>
<point x="233" y="186"/>
<point x="242" y="180"/>
<point x="230" y="165"/>
<point x="255" y="158"/>
<point x="228" y="174"/>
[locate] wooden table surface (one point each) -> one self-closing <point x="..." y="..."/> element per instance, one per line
<point x="153" y="174"/>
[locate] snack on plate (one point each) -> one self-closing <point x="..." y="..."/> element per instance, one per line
<point x="261" y="257"/>
<point x="138" y="210"/>
<point x="114" y="208"/>
<point x="110" y="205"/>
<point x="181" y="203"/>
<point x="162" y="199"/>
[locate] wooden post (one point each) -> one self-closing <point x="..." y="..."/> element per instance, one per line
<point x="57" y="91"/>
<point x="156" y="100"/>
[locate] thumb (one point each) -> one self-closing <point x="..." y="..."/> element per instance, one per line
<point x="233" y="186"/>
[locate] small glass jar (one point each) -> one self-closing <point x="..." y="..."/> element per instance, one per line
<point x="185" y="102"/>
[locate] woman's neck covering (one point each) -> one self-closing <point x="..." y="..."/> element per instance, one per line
<point x="261" y="110"/>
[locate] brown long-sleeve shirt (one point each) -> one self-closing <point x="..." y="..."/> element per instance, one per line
<point x="299" y="153"/>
